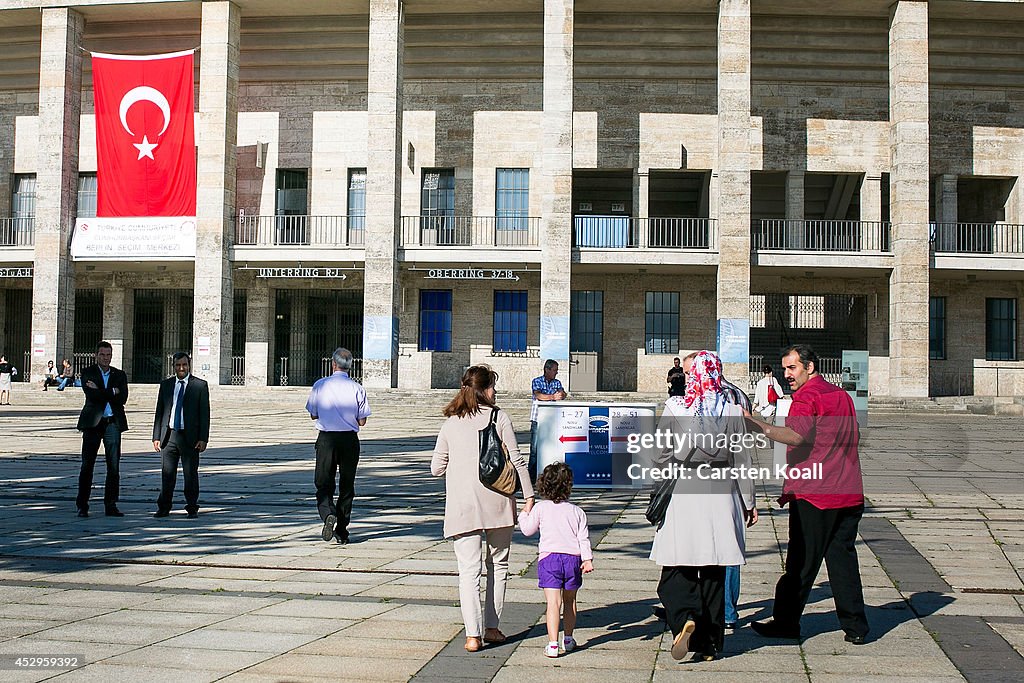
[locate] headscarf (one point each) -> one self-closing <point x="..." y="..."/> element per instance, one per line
<point x="704" y="394"/>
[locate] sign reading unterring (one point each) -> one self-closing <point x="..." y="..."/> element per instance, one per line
<point x="16" y="272"/>
<point x="470" y="274"/>
<point x="302" y="272"/>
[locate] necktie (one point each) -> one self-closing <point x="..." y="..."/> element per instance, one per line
<point x="179" y="417"/>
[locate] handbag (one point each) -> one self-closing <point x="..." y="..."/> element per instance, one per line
<point x="658" y="506"/>
<point x="773" y="396"/>
<point x="496" y="469"/>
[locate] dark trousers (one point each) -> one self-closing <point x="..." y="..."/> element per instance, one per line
<point x="532" y="464"/>
<point x="815" y="535"/>
<point x="176" y="451"/>
<point x="696" y="593"/>
<point x="336" y="451"/>
<point x="110" y="435"/>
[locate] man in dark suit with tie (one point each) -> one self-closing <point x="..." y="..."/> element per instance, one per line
<point x="102" y="419"/>
<point x="181" y="430"/>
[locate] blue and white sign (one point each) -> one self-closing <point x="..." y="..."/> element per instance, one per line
<point x="380" y="337"/>
<point x="554" y="337"/>
<point x="734" y="340"/>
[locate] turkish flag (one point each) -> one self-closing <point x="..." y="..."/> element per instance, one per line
<point x="145" y="135"/>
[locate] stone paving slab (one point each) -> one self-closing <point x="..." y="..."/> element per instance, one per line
<point x="248" y="592"/>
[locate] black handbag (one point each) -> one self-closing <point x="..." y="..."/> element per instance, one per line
<point x="658" y="506"/>
<point x="496" y="469"/>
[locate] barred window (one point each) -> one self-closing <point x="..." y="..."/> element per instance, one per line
<point x="86" y="195"/>
<point x="937" y="328"/>
<point x="512" y="198"/>
<point x="357" y="198"/>
<point x="661" y="322"/>
<point x="435" y="320"/>
<point x="586" y="321"/>
<point x="1000" y="329"/>
<point x="510" y="321"/>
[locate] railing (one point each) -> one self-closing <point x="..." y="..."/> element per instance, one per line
<point x="300" y="231"/>
<point x="951" y="382"/>
<point x="776" y="234"/>
<point x="977" y="238"/>
<point x="831" y="370"/>
<point x="80" y="361"/>
<point x="626" y="232"/>
<point x="302" y="369"/>
<point x="238" y="371"/>
<point x="470" y="231"/>
<point x="17" y="232"/>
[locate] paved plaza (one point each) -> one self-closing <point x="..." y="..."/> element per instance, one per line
<point x="249" y="591"/>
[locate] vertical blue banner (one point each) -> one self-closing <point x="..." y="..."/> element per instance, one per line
<point x="380" y="337"/>
<point x="554" y="337"/>
<point x="734" y="340"/>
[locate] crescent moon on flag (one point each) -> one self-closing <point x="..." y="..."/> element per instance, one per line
<point x="144" y="93"/>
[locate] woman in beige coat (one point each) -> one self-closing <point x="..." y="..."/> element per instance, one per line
<point x="479" y="520"/>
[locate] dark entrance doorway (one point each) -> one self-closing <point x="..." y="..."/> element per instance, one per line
<point x="309" y="325"/>
<point x="17" y="322"/>
<point x="163" y="326"/>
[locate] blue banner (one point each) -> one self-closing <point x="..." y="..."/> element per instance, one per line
<point x="554" y="337"/>
<point x="380" y="337"/>
<point x="734" y="340"/>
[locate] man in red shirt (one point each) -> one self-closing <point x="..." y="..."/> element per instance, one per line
<point x="824" y="513"/>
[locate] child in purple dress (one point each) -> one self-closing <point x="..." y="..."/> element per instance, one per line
<point x="565" y="554"/>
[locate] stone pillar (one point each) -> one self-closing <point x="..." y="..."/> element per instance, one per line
<point x="795" y="210"/>
<point x="259" y="332"/>
<point x="733" y="311"/>
<point x="115" y="321"/>
<point x="556" y="183"/>
<point x="946" y="212"/>
<point x="871" y="212"/>
<point x="641" y="205"/>
<point x="215" y="198"/>
<point x="908" y="146"/>
<point x="60" y="108"/>
<point x="383" y="194"/>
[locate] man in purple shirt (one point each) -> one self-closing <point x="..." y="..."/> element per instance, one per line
<point x="338" y="406"/>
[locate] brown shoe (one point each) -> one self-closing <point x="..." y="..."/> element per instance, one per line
<point x="493" y="635"/>
<point x="473" y="644"/>
<point x="681" y="643"/>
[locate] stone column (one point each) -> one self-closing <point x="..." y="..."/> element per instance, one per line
<point x="60" y="108"/>
<point x="215" y="198"/>
<point x="946" y="212"/>
<point x="115" y="321"/>
<point x="734" y="185"/>
<point x="383" y="194"/>
<point x="642" y="205"/>
<point x="259" y="332"/>
<point x="795" y="210"/>
<point x="908" y="146"/>
<point x="871" y="212"/>
<point x="556" y="183"/>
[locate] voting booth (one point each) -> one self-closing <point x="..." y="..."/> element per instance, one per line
<point x="591" y="438"/>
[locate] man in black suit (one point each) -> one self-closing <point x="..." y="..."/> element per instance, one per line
<point x="181" y="429"/>
<point x="102" y="419"/>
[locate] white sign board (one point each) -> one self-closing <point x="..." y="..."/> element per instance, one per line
<point x="132" y="238"/>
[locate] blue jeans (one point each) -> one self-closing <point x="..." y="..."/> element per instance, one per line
<point x="732" y="594"/>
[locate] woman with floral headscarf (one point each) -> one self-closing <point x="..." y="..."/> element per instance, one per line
<point x="703" y="531"/>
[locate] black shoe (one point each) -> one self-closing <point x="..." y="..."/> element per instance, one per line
<point x="773" y="629"/>
<point x="83" y="513"/>
<point x="193" y="514"/>
<point x="327" y="533"/>
<point x="114" y="512"/>
<point x="342" y="540"/>
<point x="660" y="613"/>
<point x="855" y="640"/>
<point x="161" y="513"/>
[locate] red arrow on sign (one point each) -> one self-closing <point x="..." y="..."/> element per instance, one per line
<point x="620" y="438"/>
<point x="563" y="439"/>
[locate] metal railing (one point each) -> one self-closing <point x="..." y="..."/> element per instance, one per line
<point x="977" y="238"/>
<point x="17" y="232"/>
<point x="80" y="361"/>
<point x="784" y="234"/>
<point x="831" y="370"/>
<point x="302" y="369"/>
<point x="626" y="232"/>
<point x="470" y="231"/>
<point x="238" y="371"/>
<point x="300" y="231"/>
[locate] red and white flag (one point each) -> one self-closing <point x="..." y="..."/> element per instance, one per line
<point x="145" y="137"/>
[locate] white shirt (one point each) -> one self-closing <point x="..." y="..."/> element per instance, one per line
<point x="174" y="399"/>
<point x="761" y="392"/>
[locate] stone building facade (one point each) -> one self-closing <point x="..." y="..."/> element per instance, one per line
<point x="435" y="184"/>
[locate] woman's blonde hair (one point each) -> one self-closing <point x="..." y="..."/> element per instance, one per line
<point x="472" y="394"/>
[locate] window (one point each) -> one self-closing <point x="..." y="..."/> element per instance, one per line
<point x="661" y="322"/>
<point x="23" y="212"/>
<point x="509" y="322"/>
<point x="512" y="198"/>
<point x="937" y="328"/>
<point x="86" y="195"/>
<point x="586" y="321"/>
<point x="437" y="208"/>
<point x="435" y="320"/>
<point x="1000" y="329"/>
<point x="357" y="198"/>
<point x="291" y="207"/>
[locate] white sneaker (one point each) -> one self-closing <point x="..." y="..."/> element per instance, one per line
<point x="568" y="644"/>
<point x="551" y="650"/>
